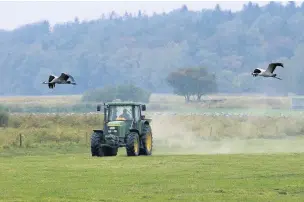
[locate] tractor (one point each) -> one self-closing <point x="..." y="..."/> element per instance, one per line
<point x="123" y="126"/>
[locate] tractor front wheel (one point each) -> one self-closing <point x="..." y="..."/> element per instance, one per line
<point x="96" y="149"/>
<point x="132" y="145"/>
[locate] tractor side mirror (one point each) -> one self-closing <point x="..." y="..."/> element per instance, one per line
<point x="143" y="107"/>
<point x="98" y="107"/>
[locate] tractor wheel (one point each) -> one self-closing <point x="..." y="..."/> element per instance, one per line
<point x="147" y="141"/>
<point x="96" y="149"/>
<point x="108" y="151"/>
<point x="132" y="145"/>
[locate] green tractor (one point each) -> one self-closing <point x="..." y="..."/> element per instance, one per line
<point x="124" y="126"/>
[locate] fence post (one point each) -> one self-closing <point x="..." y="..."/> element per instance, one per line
<point x="20" y="140"/>
<point x="86" y="138"/>
<point x="210" y="131"/>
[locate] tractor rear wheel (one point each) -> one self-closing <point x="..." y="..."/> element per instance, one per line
<point x="96" y="149"/>
<point x="147" y="141"/>
<point x="132" y="144"/>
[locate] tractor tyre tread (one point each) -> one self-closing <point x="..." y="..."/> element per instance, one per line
<point x="131" y="138"/>
<point x="144" y="150"/>
<point x="96" y="149"/>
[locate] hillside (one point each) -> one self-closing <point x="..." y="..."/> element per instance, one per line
<point x="143" y="50"/>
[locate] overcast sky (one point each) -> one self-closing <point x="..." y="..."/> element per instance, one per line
<point x="14" y="14"/>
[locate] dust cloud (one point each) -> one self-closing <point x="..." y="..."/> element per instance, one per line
<point x="172" y="137"/>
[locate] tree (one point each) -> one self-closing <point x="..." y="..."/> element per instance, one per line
<point x="203" y="82"/>
<point x="128" y="92"/>
<point x="181" y="84"/>
<point x="192" y="81"/>
<point x="131" y="92"/>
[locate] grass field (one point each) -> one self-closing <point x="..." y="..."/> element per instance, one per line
<point x="79" y="177"/>
<point x="170" y="131"/>
<point x="181" y="130"/>
<point x="219" y="155"/>
<point x="40" y="129"/>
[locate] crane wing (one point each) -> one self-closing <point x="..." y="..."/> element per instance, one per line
<point x="72" y="78"/>
<point x="64" y="76"/>
<point x="51" y="77"/>
<point x="272" y="66"/>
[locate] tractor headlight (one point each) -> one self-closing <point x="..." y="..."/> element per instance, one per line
<point x="112" y="128"/>
<point x="114" y="131"/>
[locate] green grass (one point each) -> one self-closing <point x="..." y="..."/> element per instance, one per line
<point x="46" y="149"/>
<point x="42" y="128"/>
<point x="79" y="177"/>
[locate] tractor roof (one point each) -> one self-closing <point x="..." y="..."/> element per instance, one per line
<point x="124" y="103"/>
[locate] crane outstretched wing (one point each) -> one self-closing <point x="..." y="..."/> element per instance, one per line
<point x="272" y="66"/>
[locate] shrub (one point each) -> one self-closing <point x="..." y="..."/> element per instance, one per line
<point x="123" y="92"/>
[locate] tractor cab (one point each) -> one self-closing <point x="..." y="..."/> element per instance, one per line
<point x="122" y="111"/>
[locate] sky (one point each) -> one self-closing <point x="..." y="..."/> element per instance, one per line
<point x="17" y="13"/>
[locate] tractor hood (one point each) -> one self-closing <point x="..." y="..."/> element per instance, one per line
<point x="116" y="123"/>
<point x="117" y="128"/>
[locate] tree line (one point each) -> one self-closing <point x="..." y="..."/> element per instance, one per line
<point x="144" y="50"/>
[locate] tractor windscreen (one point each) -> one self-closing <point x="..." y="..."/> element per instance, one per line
<point x="120" y="113"/>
